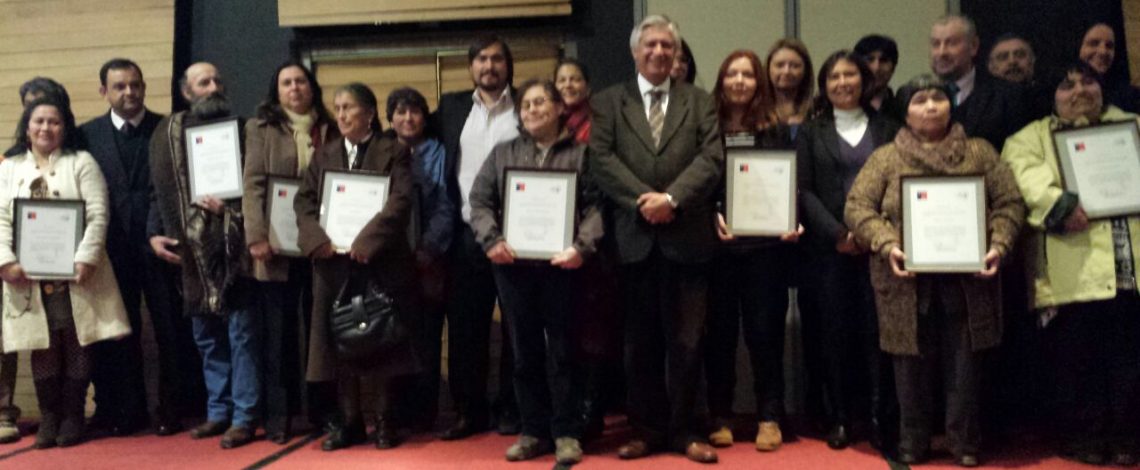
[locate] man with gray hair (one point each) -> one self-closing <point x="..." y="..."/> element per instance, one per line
<point x="986" y="107"/>
<point x="655" y="152"/>
<point x="206" y="237"/>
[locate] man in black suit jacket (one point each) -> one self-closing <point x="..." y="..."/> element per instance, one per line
<point x="986" y="107"/>
<point x="659" y="174"/>
<point x="470" y="123"/>
<point x="119" y="141"/>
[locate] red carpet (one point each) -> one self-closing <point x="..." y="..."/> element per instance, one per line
<point x="478" y="453"/>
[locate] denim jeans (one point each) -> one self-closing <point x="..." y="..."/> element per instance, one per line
<point x="230" y="346"/>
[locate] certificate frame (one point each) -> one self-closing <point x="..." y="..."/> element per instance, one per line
<point x="331" y="176"/>
<point x="511" y="178"/>
<point x="969" y="182"/>
<point x="219" y="126"/>
<point x="1096" y="208"/>
<point x="25" y="208"/>
<point x="739" y="160"/>
<point x="274" y="185"/>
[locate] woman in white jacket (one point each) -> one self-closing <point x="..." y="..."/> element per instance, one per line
<point x="56" y="320"/>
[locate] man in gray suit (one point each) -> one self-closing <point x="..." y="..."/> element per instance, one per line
<point x="655" y="151"/>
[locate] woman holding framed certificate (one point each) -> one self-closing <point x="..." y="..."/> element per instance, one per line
<point x="363" y="162"/>
<point x="60" y="293"/>
<point x="1085" y="288"/>
<point x="831" y="149"/>
<point x="538" y="223"/>
<point x="936" y="324"/>
<point x="291" y="124"/>
<point x="749" y="279"/>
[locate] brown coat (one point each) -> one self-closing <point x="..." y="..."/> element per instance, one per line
<point x="384" y="241"/>
<point x="874" y="212"/>
<point x="269" y="151"/>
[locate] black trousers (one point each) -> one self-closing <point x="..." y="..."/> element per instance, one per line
<point x="537" y="302"/>
<point x="117" y="366"/>
<point x="748" y="288"/>
<point x="1096" y="358"/>
<point x="665" y="305"/>
<point x="286" y="308"/>
<point x="471" y="306"/>
<point x="944" y="354"/>
<point x="858" y="379"/>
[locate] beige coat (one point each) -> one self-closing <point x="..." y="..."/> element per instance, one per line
<point x="95" y="305"/>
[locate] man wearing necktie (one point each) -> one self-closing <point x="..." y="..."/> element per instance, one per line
<point x="119" y="140"/>
<point x="656" y="153"/>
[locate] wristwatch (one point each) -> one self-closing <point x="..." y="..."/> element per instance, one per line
<point x="669" y="197"/>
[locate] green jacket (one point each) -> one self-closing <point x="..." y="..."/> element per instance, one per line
<point x="1070" y="267"/>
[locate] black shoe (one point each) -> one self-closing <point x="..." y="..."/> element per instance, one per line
<point x="837" y="438"/>
<point x="72" y="422"/>
<point x="911" y="458"/>
<point x="341" y="437"/>
<point x="1084" y="455"/>
<point x="464" y="428"/>
<point x="1124" y="459"/>
<point x="509" y="424"/>
<point x="967" y="460"/>
<point x="49" y="393"/>
<point x="127" y="426"/>
<point x="168" y="428"/>
<point x="387" y="437"/>
<point x="209" y="429"/>
<point x="277" y="430"/>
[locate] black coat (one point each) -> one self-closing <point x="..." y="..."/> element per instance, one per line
<point x="129" y="192"/>
<point x="995" y="110"/>
<point x="820" y="180"/>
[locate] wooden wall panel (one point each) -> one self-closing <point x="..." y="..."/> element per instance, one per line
<point x="342" y="12"/>
<point x="68" y="40"/>
<point x="1131" y="37"/>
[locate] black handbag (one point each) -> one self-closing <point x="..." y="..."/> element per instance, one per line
<point x="364" y="321"/>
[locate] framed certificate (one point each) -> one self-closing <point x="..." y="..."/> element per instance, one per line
<point x="539" y="211"/>
<point x="282" y="219"/>
<point x="1102" y="164"/>
<point x="944" y="223"/>
<point x="213" y="153"/>
<point x="760" y="192"/>
<point x="349" y="200"/>
<point x="47" y="234"/>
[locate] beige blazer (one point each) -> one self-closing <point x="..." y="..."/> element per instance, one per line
<point x="96" y="304"/>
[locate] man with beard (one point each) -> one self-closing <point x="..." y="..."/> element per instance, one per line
<point x="119" y="142"/>
<point x="1012" y="59"/>
<point x="470" y="124"/>
<point x="206" y="238"/>
<point x="988" y="108"/>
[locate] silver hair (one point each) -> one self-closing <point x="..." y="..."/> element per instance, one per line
<point x="654" y="21"/>
<point x="971" y="28"/>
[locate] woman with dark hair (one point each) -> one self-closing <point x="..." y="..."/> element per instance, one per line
<point x="407" y="110"/>
<point x="749" y="284"/>
<point x="831" y="149"/>
<point x="935" y="326"/>
<point x="380" y="254"/>
<point x="59" y="319"/>
<point x="291" y="123"/>
<point x="789" y="81"/>
<point x="573" y="82"/>
<point x="536" y="299"/>
<point x="1092" y="332"/>
<point x="684" y="65"/>
<point x="1098" y="49"/>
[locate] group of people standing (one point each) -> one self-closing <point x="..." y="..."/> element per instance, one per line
<point x="654" y="275"/>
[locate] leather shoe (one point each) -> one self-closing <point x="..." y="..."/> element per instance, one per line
<point x="768" y="436"/>
<point x="911" y="458"/>
<point x="209" y="429"/>
<point x="722" y="437"/>
<point x="967" y="460"/>
<point x="837" y="439"/>
<point x="341" y="436"/>
<point x="237" y="436"/>
<point x="634" y="449"/>
<point x="528" y="447"/>
<point x="509" y="424"/>
<point x="463" y="428"/>
<point x="1124" y="459"/>
<point x="700" y="452"/>
<point x="387" y="437"/>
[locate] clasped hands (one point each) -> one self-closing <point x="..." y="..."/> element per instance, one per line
<point x="655" y="208"/>
<point x="502" y="253"/>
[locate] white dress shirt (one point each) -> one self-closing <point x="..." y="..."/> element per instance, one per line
<point x="966" y="85"/>
<point x="646" y="88"/>
<point x="486" y="126"/>
<point x="135" y="121"/>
